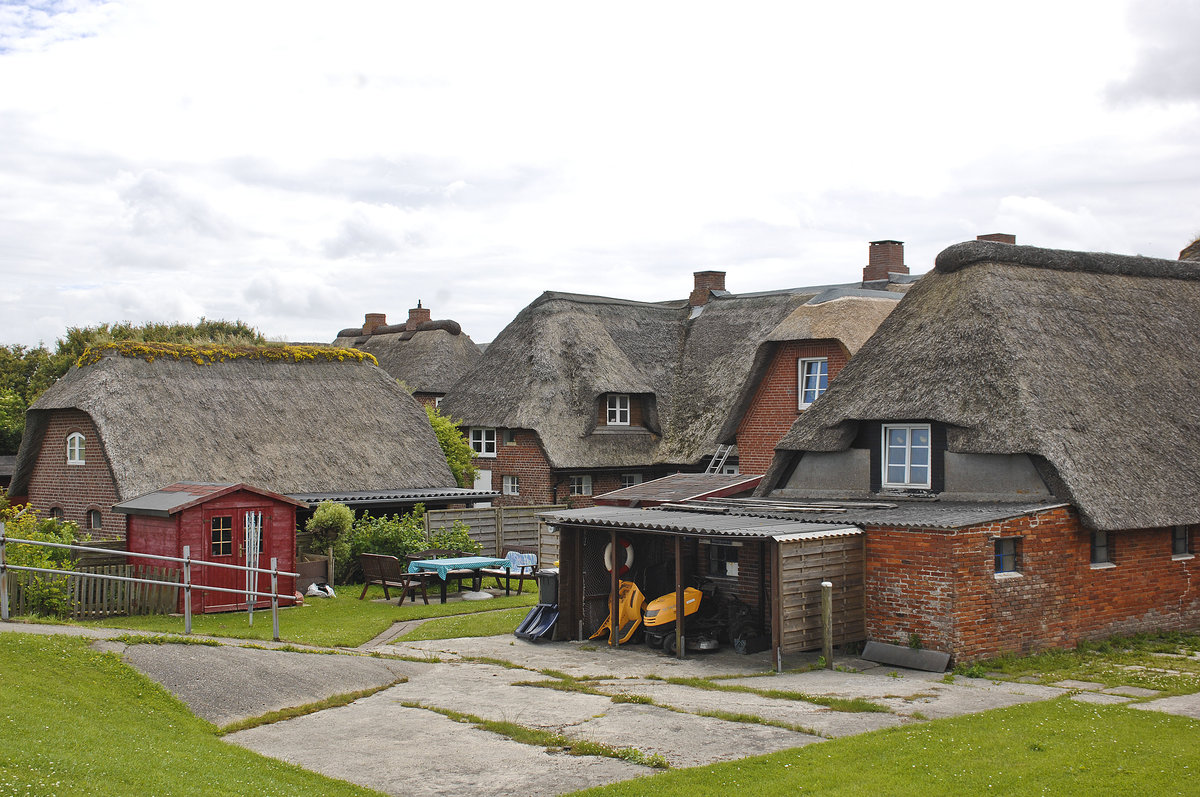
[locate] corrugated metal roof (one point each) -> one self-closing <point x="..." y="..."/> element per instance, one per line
<point x="174" y="498"/>
<point x="916" y="514"/>
<point x="694" y="523"/>
<point x="410" y="496"/>
<point x="681" y="487"/>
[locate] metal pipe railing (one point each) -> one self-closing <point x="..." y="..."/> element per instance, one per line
<point x="186" y="585"/>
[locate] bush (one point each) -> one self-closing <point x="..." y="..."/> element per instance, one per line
<point x="329" y="521"/>
<point x="45" y="594"/>
<point x="395" y="535"/>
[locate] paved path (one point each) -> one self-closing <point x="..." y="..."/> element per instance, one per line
<point x="387" y="740"/>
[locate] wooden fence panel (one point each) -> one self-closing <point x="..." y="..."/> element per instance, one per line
<point x="805" y="564"/>
<point x="499" y="526"/>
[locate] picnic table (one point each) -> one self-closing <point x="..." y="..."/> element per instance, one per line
<point x="446" y="568"/>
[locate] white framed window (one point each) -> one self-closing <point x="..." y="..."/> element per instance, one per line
<point x="581" y="485"/>
<point x="906" y="450"/>
<point x="1181" y="541"/>
<point x="618" y="409"/>
<point x="814" y="378"/>
<point x="483" y="441"/>
<point x="437" y="401"/>
<point x="511" y="485"/>
<point x="94" y="520"/>
<point x="75" y="449"/>
<point x="1101" y="549"/>
<point x="630" y="479"/>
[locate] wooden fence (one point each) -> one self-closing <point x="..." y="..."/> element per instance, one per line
<point x="96" y="598"/>
<point x="496" y="527"/>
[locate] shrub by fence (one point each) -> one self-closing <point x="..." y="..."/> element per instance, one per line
<point x="96" y="598"/>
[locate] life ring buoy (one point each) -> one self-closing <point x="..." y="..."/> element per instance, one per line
<point x="608" y="556"/>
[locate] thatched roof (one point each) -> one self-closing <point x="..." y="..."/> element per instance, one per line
<point x="549" y="366"/>
<point x="427" y="359"/>
<point x="312" y="425"/>
<point x="1085" y="361"/>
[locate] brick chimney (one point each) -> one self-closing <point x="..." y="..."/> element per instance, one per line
<point x="374" y="321"/>
<point x="884" y="257"/>
<point x="998" y="237"/>
<point x="417" y="315"/>
<point x="706" y="281"/>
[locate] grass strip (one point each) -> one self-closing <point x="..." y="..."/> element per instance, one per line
<point x="79" y="721"/>
<point x="333" y="701"/>
<point x="547" y="739"/>
<point x="1056" y="747"/>
<point x="491" y="623"/>
<point x="847" y="704"/>
<point x="343" y="621"/>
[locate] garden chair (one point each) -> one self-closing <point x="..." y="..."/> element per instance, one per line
<point x="523" y="567"/>
<point x="387" y="572"/>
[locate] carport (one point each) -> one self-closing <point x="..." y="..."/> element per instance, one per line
<point x="774" y="566"/>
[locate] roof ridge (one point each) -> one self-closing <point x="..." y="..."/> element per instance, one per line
<point x="961" y="255"/>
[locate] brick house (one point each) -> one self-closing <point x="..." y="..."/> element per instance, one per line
<point x="582" y="395"/>
<point x="428" y="356"/>
<point x="298" y="420"/>
<point x="1018" y="443"/>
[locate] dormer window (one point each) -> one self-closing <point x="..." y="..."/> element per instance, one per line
<point x="75" y="449"/>
<point x="906" y="450"/>
<point x="618" y="409"/>
<point x="814" y="379"/>
<point x="483" y="441"/>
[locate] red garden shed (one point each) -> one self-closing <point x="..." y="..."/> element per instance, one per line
<point x="212" y="519"/>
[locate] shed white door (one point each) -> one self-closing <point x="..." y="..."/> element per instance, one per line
<point x="483" y="481"/>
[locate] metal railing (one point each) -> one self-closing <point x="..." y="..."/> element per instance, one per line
<point x="186" y="585"/>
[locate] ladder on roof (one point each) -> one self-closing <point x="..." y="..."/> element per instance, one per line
<point x="718" y="459"/>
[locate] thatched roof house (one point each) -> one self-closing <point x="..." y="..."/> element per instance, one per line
<point x="286" y="419"/>
<point x="428" y="356"/>
<point x="588" y="384"/>
<point x="1084" y="362"/>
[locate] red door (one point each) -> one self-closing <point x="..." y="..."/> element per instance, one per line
<point x="226" y="537"/>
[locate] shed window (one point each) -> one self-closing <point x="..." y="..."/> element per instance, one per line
<point x="1101" y="551"/>
<point x="75" y="449"/>
<point x="483" y="441"/>
<point x="722" y="561"/>
<point x="1008" y="555"/>
<point x="906" y="449"/>
<point x="222" y="535"/>
<point x="618" y="409"/>
<point x="1181" y="541"/>
<point x="581" y="485"/>
<point x="94" y="521"/>
<point x="814" y="379"/>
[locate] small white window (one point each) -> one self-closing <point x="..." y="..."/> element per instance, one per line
<point x="581" y="485"/>
<point x="95" y="521"/>
<point x="814" y="379"/>
<point x="512" y="485"/>
<point x="75" y="449"/>
<point x="630" y="479"/>
<point x="437" y="401"/>
<point x="483" y="441"/>
<point x="618" y="409"/>
<point x="906" y="449"/>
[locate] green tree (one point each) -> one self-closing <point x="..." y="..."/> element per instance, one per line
<point x="45" y="594"/>
<point x="459" y="454"/>
<point x="26" y="373"/>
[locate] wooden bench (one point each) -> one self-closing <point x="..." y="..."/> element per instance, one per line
<point x="387" y="572"/>
<point x="521" y="574"/>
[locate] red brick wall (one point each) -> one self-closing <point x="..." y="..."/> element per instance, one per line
<point x="776" y="401"/>
<point x="524" y="459"/>
<point x="942" y="586"/>
<point x="75" y="488"/>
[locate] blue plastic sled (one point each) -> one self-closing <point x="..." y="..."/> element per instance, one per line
<point x="538" y="623"/>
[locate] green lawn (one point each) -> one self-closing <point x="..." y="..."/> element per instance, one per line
<point x="75" y="721"/>
<point x="1058" y="747"/>
<point x="465" y="625"/>
<point x="344" y="621"/>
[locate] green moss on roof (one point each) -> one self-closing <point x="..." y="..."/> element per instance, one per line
<point x="207" y="354"/>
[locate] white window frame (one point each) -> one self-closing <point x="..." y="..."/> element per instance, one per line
<point x="511" y="485"/>
<point x="483" y="441"/>
<point x="803" y="391"/>
<point x="630" y="480"/>
<point x="95" y="520"/>
<point x="76" y="449"/>
<point x="581" y="484"/>
<point x="909" y="483"/>
<point x="618" y="409"/>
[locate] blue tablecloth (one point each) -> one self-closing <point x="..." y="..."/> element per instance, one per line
<point x="444" y="566"/>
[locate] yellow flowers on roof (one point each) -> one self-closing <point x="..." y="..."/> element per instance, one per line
<point x="207" y="354"/>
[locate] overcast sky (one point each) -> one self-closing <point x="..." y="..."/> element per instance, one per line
<point x="296" y="165"/>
